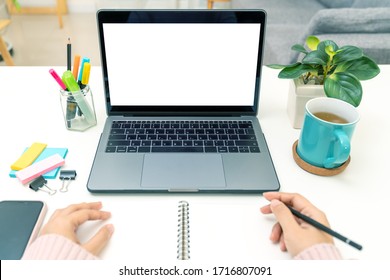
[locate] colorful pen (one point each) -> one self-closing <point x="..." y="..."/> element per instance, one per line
<point x="85" y="59"/>
<point x="86" y="71"/>
<point x="70" y="82"/>
<point x="78" y="96"/>
<point x="57" y="78"/>
<point x="71" y="104"/>
<point x="76" y="65"/>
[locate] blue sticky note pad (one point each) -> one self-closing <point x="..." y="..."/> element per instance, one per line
<point x="47" y="153"/>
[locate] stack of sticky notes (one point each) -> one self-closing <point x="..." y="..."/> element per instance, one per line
<point x="38" y="160"/>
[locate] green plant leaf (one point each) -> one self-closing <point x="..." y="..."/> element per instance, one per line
<point x="363" y="68"/>
<point x="295" y="71"/>
<point x="299" y="48"/>
<point x="275" y="66"/>
<point x="312" y="42"/>
<point x="329" y="51"/>
<point x="347" y="53"/>
<point x="316" y="57"/>
<point x="327" y="45"/>
<point x="17" y="4"/>
<point x="344" y="86"/>
<point x="281" y="66"/>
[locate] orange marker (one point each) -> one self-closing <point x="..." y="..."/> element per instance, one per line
<point x="76" y="66"/>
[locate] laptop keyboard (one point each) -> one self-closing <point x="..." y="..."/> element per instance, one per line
<point x="182" y="136"/>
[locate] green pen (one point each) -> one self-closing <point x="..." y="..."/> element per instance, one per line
<point x="71" y="105"/>
<point x="70" y="81"/>
<point x="74" y="88"/>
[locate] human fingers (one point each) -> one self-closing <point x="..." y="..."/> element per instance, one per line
<point x="277" y="230"/>
<point x="266" y="209"/>
<point x="278" y="237"/>
<point x="301" y="204"/>
<point x="295" y="200"/>
<point x="269" y="196"/>
<point x="304" y="206"/>
<point x="97" y="243"/>
<point x="284" y="216"/>
<point x="276" y="233"/>
<point x="80" y="206"/>
<point x="288" y="232"/>
<point x="282" y="243"/>
<point x="81" y="216"/>
<point x="73" y="208"/>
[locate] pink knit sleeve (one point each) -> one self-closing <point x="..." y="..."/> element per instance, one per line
<point x="56" y="247"/>
<point x="324" y="251"/>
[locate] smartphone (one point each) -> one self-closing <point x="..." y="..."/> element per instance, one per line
<point x="19" y="225"/>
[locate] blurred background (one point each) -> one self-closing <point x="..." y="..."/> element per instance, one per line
<point x="37" y="35"/>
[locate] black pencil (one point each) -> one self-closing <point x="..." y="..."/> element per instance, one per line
<point x="69" y="55"/>
<point x="320" y="226"/>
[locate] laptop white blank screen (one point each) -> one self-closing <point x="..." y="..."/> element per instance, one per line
<point x="181" y="64"/>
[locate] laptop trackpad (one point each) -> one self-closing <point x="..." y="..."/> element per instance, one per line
<point x="183" y="171"/>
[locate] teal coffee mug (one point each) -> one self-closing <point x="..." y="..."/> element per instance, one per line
<point x="328" y="125"/>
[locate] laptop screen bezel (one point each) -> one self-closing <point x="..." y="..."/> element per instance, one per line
<point x="121" y="16"/>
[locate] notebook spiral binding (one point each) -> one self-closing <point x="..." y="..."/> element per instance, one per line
<point x="183" y="236"/>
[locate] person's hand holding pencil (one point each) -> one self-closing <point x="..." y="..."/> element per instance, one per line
<point x="295" y="235"/>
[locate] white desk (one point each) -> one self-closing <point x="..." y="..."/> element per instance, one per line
<point x="223" y="227"/>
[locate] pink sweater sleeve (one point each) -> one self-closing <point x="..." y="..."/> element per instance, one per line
<point x="56" y="247"/>
<point x="324" y="251"/>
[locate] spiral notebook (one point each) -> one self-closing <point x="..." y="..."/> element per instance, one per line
<point x="183" y="231"/>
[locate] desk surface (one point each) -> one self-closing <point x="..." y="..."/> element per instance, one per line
<point x="223" y="227"/>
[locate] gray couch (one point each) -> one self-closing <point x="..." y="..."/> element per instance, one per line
<point x="362" y="23"/>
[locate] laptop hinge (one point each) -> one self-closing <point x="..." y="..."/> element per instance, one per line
<point x="183" y="190"/>
<point x="179" y="115"/>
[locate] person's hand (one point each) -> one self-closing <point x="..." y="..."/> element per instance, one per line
<point x="66" y="221"/>
<point x="293" y="234"/>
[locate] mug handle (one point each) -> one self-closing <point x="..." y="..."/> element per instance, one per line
<point x="343" y="146"/>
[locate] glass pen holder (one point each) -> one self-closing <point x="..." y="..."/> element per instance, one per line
<point x="78" y="109"/>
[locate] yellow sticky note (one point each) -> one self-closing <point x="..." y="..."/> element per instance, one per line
<point x="28" y="156"/>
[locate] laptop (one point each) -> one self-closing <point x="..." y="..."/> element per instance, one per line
<point x="182" y="96"/>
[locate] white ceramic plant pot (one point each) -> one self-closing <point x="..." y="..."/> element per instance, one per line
<point x="299" y="93"/>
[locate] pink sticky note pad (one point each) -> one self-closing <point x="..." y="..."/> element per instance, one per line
<point x="36" y="169"/>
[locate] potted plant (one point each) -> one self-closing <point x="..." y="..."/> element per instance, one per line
<point x="325" y="70"/>
<point x="12" y="2"/>
<point x="16" y="3"/>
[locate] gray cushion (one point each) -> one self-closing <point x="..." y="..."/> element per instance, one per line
<point x="370" y="3"/>
<point x="348" y="20"/>
<point x="282" y="11"/>
<point x="337" y="3"/>
<point x="291" y="21"/>
<point x="367" y="28"/>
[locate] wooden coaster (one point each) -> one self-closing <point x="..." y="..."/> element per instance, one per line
<point x="315" y="169"/>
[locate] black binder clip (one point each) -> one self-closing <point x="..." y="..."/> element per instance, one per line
<point x="39" y="183"/>
<point x="66" y="176"/>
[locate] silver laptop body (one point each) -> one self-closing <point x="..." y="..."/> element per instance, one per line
<point x="182" y="92"/>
